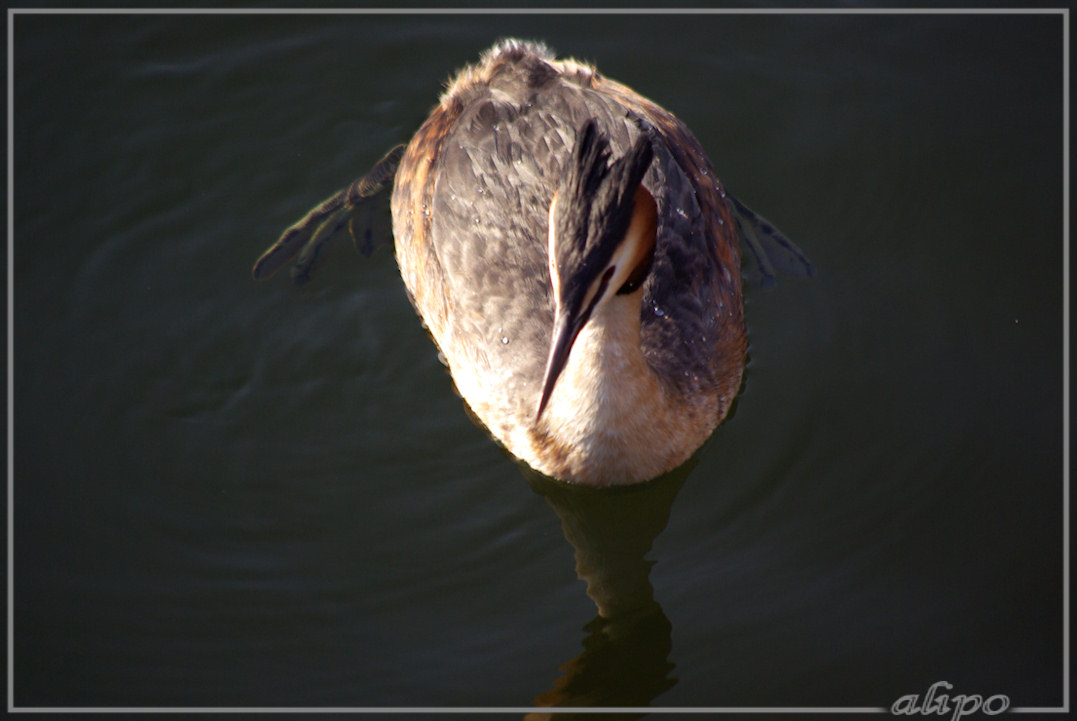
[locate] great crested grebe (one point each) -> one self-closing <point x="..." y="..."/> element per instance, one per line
<point x="575" y="258"/>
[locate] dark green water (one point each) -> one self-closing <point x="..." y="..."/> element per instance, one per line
<point x="229" y="493"/>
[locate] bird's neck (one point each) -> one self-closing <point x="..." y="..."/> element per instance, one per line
<point x="606" y="372"/>
<point x="610" y="418"/>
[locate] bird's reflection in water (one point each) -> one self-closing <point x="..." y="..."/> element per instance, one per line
<point x="625" y="661"/>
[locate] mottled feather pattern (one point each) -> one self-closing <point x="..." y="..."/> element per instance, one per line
<point x="470" y="217"/>
<point x="516" y="122"/>
<point x="411" y="203"/>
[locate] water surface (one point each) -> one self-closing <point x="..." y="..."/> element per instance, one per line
<point x="229" y="493"/>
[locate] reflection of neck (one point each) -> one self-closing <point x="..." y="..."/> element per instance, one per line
<point x="625" y="658"/>
<point x="610" y="559"/>
<point x="611" y="531"/>
<point x="626" y="667"/>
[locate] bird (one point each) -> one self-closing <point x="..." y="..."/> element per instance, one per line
<point x="575" y="258"/>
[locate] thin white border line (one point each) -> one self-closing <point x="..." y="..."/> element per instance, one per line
<point x="484" y="709"/>
<point x="1066" y="358"/>
<point x="458" y="709"/>
<point x="539" y="11"/>
<point x="10" y="356"/>
<point x="422" y="11"/>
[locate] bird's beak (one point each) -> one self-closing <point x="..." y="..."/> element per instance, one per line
<point x="569" y="320"/>
<point x="565" y="331"/>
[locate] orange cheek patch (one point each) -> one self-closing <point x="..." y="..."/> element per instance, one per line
<point x="640" y="237"/>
